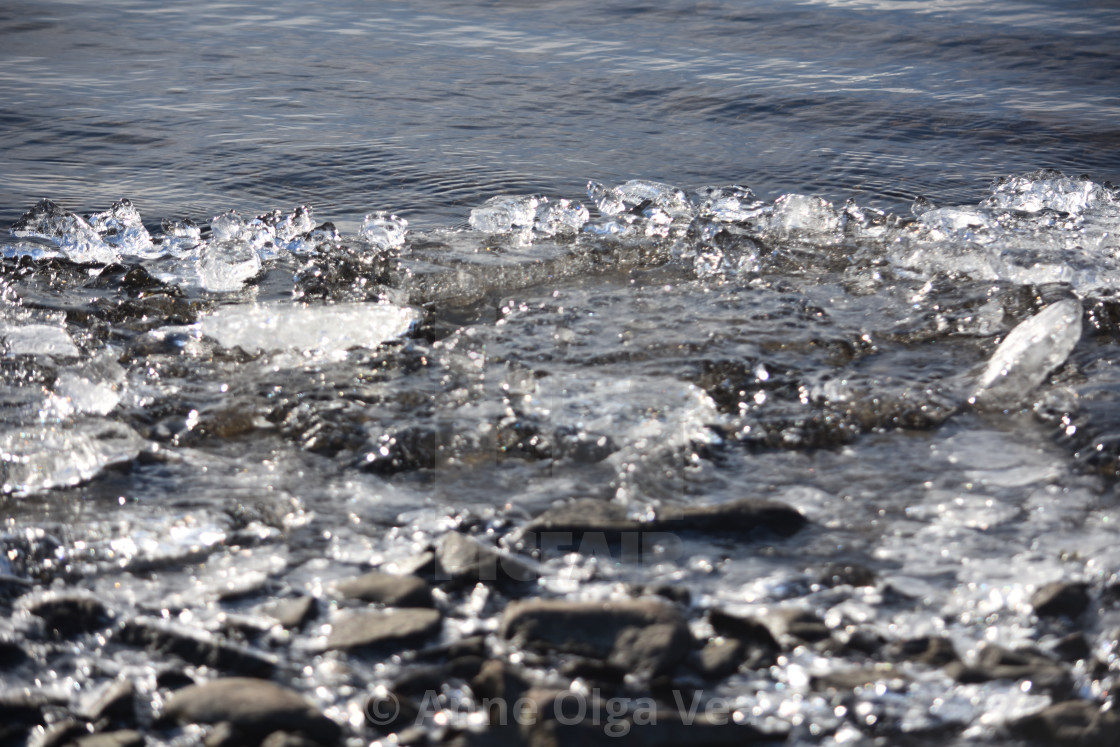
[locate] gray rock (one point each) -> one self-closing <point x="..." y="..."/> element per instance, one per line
<point x="115" y="702"/>
<point x="253" y="707"/>
<point x="659" y="727"/>
<point x="464" y="560"/>
<point x="719" y="658"/>
<point x="642" y="635"/>
<point x="195" y="647"/>
<point x="1061" y="599"/>
<point x="746" y="517"/>
<point x="383" y="631"/>
<point x="1077" y="723"/>
<point x="123" y="738"/>
<point x="387" y="589"/>
<point x="70" y="614"/>
<point x="293" y="613"/>
<point x="998" y="663"/>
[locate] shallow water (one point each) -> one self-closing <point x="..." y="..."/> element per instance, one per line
<point x="202" y="415"/>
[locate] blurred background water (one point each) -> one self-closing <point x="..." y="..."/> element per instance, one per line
<point x="427" y="108"/>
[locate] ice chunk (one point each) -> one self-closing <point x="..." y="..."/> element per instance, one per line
<point x="37" y="339"/>
<point x="1046" y="190"/>
<point x="224" y="266"/>
<point x="804" y="214"/>
<point x="320" y="330"/>
<point x="384" y="231"/>
<point x="732" y="204"/>
<point x="180" y="236"/>
<point x="504" y="214"/>
<point x="90" y="387"/>
<point x="560" y="217"/>
<point x="637" y="195"/>
<point x="1030" y="352"/>
<point x="38" y="458"/>
<point x="78" y="240"/>
<point x="290" y="226"/>
<point x="121" y="227"/>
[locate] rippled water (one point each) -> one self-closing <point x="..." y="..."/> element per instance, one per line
<point x="676" y="254"/>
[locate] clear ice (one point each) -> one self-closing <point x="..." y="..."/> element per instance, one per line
<point x="1029" y="353"/>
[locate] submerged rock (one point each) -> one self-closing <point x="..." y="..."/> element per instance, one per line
<point x="1060" y="599"/>
<point x="255" y="708"/>
<point x="383" y="631"/>
<point x="387" y="589"/>
<point x="464" y="560"/>
<point x="70" y="614"/>
<point x="195" y="647"/>
<point x="643" y="636"/>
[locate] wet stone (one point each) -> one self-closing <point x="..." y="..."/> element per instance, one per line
<point x="749" y="631"/>
<point x="719" y="658"/>
<point x="284" y="739"/>
<point x="253" y="707"/>
<point x="195" y="647"/>
<point x="929" y="650"/>
<point x="115" y="702"/>
<point x="744" y="518"/>
<point x="798" y="624"/>
<point x="463" y="560"/>
<point x="12" y="655"/>
<point x="998" y="663"/>
<point x="1060" y="599"/>
<point x="123" y="738"/>
<point x="387" y="589"/>
<point x="383" y="631"/>
<point x="644" y="636"/>
<point x="1074" y="722"/>
<point x="70" y="615"/>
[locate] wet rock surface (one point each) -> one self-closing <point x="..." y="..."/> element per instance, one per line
<point x="716" y="469"/>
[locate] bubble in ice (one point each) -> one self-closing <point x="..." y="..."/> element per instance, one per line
<point x="1030" y="352"/>
<point x="384" y="231"/>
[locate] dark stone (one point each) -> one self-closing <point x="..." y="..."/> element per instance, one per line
<point x="846" y="574"/>
<point x="719" y="658"/>
<point x="998" y="663"/>
<point x="253" y="707"/>
<point x="391" y="712"/>
<point x="750" y="632"/>
<point x="593" y="670"/>
<point x="195" y="647"/>
<point x="662" y="727"/>
<point x="928" y="650"/>
<point x="799" y="624"/>
<point x="71" y="614"/>
<point x="12" y="587"/>
<point x="747" y="517"/>
<point x="465" y="667"/>
<point x="12" y="655"/>
<point x="1060" y="599"/>
<point x="463" y="560"/>
<point x="387" y="589"/>
<point x="420" y="680"/>
<point x="679" y="594"/>
<point x="293" y="613"/>
<point x="22" y="708"/>
<point x="1077" y="723"/>
<point x="173" y="679"/>
<point x="115" y="702"/>
<point x="501" y="686"/>
<point x="62" y="732"/>
<point x="383" y="631"/>
<point x="1073" y="647"/>
<point x="641" y="635"/>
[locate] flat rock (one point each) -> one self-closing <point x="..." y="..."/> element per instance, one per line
<point x="746" y="517"/>
<point x="1061" y="599"/>
<point x="195" y="647"/>
<point x="641" y="635"/>
<point x="293" y="613"/>
<point x="383" y="630"/>
<point x="253" y="707"/>
<point x="1074" y="722"/>
<point x="387" y="589"/>
<point x="115" y="702"/>
<point x="123" y="738"/>
<point x="70" y="614"/>
<point x="464" y="560"/>
<point x="998" y="663"/>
